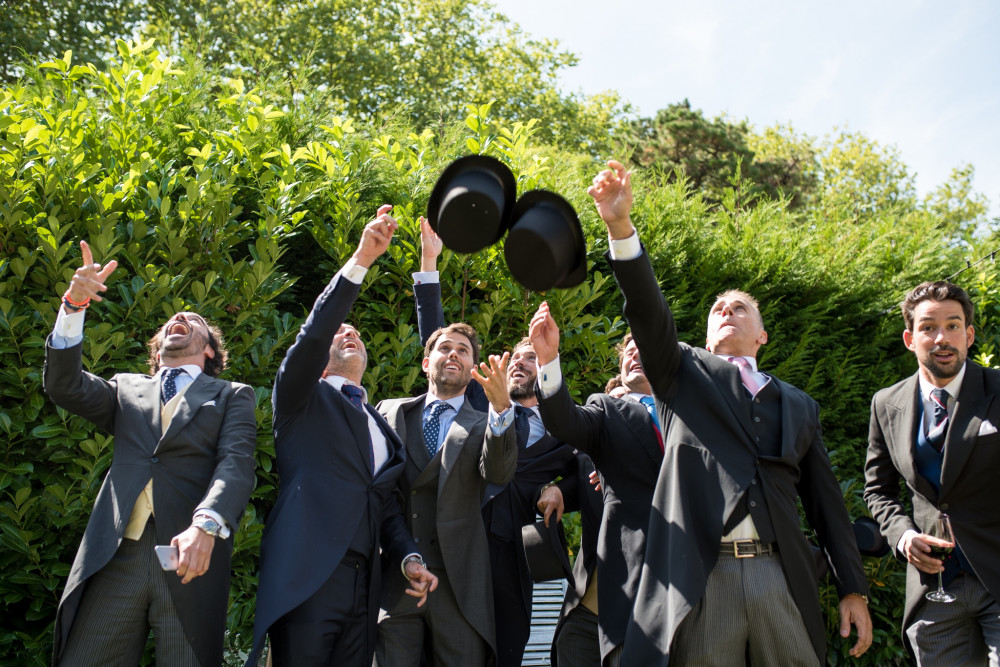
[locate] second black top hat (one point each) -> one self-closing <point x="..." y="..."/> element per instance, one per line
<point x="471" y="203"/>
<point x="545" y="247"/>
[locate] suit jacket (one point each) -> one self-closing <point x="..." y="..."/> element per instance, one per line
<point x="620" y="438"/>
<point x="327" y="491"/>
<point x="470" y="458"/>
<point x="968" y="489"/>
<point x="711" y="458"/>
<point x="204" y="460"/>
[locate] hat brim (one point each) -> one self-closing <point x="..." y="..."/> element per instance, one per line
<point x="545" y="550"/>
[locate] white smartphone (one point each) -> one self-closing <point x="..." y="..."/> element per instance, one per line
<point x="168" y="556"/>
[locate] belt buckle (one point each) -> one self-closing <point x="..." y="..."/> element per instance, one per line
<point x="754" y="549"/>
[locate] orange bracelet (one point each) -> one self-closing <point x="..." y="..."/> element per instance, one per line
<point x="73" y="305"/>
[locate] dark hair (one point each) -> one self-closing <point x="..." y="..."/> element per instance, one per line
<point x="940" y="290"/>
<point x="459" y="328"/>
<point x="613" y="383"/>
<point x="524" y="342"/>
<point x="213" y="365"/>
<point x="620" y="347"/>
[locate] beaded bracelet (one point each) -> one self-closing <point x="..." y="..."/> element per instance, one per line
<point x="73" y="305"/>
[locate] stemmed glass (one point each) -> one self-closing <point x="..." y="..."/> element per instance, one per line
<point x="942" y="543"/>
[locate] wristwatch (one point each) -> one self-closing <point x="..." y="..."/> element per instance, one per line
<point x="860" y="595"/>
<point x="207" y="525"/>
<point x="414" y="558"/>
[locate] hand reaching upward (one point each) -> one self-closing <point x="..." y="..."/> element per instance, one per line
<point x="612" y="194"/>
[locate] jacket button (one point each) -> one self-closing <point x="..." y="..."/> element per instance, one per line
<point x="753" y="481"/>
<point x="417" y="540"/>
<point x="414" y="515"/>
<point x="154" y="460"/>
<point x="756" y="419"/>
<point x="753" y="503"/>
<point x="944" y="506"/>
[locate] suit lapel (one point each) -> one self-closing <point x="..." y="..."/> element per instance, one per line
<point x="147" y="396"/>
<point x="203" y="389"/>
<point x="963" y="431"/>
<point x="904" y="412"/>
<point x="458" y="434"/>
<point x="726" y="377"/>
<point x="641" y="425"/>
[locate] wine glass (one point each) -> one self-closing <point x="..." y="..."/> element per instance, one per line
<point x="942" y="543"/>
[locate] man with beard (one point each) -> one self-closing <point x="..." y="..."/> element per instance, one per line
<point x="728" y="576"/>
<point x="453" y="452"/>
<point x="337" y="508"/>
<point x="623" y="439"/>
<point x="937" y="431"/>
<point x="181" y="474"/>
<point x="541" y="459"/>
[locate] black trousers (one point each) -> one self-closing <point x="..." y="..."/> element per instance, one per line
<point x="332" y="627"/>
<point x="513" y="621"/>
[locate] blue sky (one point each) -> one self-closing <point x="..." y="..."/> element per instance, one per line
<point x="918" y="75"/>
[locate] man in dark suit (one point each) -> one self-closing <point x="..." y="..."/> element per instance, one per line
<point x="623" y="440"/>
<point x="337" y="506"/>
<point x="541" y="459"/>
<point x="182" y="473"/>
<point x="453" y="452"/>
<point x="728" y="573"/>
<point x="937" y="431"/>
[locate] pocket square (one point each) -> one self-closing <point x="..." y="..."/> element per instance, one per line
<point x="211" y="403"/>
<point x="986" y="428"/>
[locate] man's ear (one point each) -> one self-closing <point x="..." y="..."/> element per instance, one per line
<point x="425" y="364"/>
<point x="762" y="338"/>
<point x="908" y="340"/>
<point x="209" y="352"/>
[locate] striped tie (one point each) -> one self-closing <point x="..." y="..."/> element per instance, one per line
<point x="935" y="437"/>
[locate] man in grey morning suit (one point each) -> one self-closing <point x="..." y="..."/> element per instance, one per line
<point x="182" y="473"/>
<point x="337" y="505"/>
<point x="453" y="452"/>
<point x="951" y="468"/>
<point x="623" y="441"/>
<point x="728" y="573"/>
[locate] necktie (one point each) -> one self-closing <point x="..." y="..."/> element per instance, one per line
<point x="521" y="425"/>
<point x="432" y="427"/>
<point x="356" y="395"/>
<point x="746" y="375"/>
<point x="169" y="388"/>
<point x="650" y="404"/>
<point x="935" y="437"/>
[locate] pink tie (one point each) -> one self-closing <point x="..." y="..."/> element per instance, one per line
<point x="749" y="381"/>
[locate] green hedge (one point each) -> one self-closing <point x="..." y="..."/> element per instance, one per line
<point x="217" y="198"/>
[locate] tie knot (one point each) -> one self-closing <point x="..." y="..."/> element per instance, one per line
<point x="437" y="407"/>
<point x="648" y="401"/>
<point x="940" y="396"/>
<point x="521" y="411"/>
<point x="353" y="391"/>
<point x="741" y="362"/>
<point x="172" y="373"/>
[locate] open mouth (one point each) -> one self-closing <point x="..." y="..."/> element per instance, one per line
<point x="452" y="366"/>
<point x="178" y="328"/>
<point x="350" y="345"/>
<point x="518" y="374"/>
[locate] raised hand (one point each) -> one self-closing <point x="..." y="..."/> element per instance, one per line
<point x="431" y="246"/>
<point x="88" y="281"/>
<point x="376" y="237"/>
<point x="612" y="194"/>
<point x="544" y="335"/>
<point x="494" y="381"/>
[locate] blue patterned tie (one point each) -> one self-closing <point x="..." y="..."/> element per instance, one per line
<point x="650" y="404"/>
<point x="521" y="425"/>
<point x="356" y="395"/>
<point x="935" y="437"/>
<point x="169" y="388"/>
<point x="432" y="427"/>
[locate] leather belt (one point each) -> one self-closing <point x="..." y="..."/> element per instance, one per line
<point x="747" y="548"/>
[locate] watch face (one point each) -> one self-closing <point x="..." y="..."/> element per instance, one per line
<point x="208" y="525"/>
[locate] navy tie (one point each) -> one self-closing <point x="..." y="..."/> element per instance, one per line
<point x="521" y="425"/>
<point x="432" y="427"/>
<point x="935" y="437"/>
<point x="169" y="388"/>
<point x="356" y="395"/>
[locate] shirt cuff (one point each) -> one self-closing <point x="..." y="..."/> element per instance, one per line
<point x="68" y="330"/>
<point x="902" y="540"/>
<point x="626" y="248"/>
<point x="550" y="377"/>
<point x="353" y="272"/>
<point x="499" y="423"/>
<point x="422" y="277"/>
<point x="224" y="531"/>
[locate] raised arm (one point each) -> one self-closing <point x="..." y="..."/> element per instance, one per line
<point x="308" y="356"/>
<point x="430" y="315"/>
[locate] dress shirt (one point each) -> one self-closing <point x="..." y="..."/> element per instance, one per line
<point x="380" y="450"/>
<point x="761" y="378"/>
<point x="926" y="388"/>
<point x="446" y="417"/>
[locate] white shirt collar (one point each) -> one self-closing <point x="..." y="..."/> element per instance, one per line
<point x="192" y="370"/>
<point x="751" y="360"/>
<point x="952" y="387"/>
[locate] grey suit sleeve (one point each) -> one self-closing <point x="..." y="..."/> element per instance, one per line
<point x="234" y="475"/>
<point x="882" y="485"/>
<point x="75" y="390"/>
<point x="498" y="459"/>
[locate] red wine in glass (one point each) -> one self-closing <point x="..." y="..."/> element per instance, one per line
<point x="942" y="542"/>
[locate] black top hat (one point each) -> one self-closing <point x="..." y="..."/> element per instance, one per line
<point x="871" y="542"/>
<point x="471" y="203"/>
<point x="545" y="247"/>
<point x="545" y="549"/>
